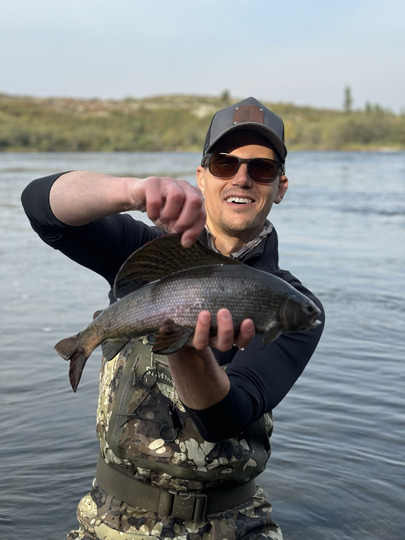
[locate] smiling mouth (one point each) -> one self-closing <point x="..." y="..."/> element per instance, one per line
<point x="239" y="200"/>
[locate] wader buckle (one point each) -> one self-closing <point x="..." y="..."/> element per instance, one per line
<point x="189" y="505"/>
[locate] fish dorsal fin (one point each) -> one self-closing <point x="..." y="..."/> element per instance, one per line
<point x="161" y="257"/>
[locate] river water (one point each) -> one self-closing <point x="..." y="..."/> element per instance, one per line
<point x="338" y="464"/>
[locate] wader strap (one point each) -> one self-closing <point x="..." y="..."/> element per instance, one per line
<point x="186" y="505"/>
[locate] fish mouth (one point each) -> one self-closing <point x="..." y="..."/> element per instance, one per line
<point x="312" y="312"/>
<point x="298" y="316"/>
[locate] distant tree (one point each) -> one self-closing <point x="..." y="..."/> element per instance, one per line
<point x="347" y="101"/>
<point x="225" y="97"/>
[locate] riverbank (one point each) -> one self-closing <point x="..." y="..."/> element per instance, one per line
<point x="178" y="123"/>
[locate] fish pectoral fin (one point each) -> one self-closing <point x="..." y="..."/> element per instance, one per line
<point x="171" y="337"/>
<point x="271" y="333"/>
<point x="112" y="347"/>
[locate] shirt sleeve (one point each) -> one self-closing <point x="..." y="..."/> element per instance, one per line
<point x="101" y="246"/>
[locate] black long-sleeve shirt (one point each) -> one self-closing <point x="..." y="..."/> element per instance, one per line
<point x="260" y="377"/>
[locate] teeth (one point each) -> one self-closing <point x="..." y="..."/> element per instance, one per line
<point x="238" y="200"/>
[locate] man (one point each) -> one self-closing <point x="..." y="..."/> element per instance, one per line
<point x="183" y="437"/>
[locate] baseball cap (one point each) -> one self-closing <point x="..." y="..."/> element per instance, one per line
<point x="248" y="114"/>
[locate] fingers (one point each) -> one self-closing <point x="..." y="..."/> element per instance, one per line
<point x="201" y="338"/>
<point x="225" y="334"/>
<point x="176" y="206"/>
<point x="246" y="333"/>
<point x="225" y="338"/>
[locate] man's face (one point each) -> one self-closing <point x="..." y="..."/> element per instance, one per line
<point x="237" y="207"/>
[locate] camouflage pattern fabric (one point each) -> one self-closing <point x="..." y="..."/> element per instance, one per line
<point x="103" y="517"/>
<point x="143" y="428"/>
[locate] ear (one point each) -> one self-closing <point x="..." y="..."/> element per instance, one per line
<point x="282" y="188"/>
<point x="200" y="174"/>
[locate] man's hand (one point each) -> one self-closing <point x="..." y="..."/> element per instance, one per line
<point x="225" y="338"/>
<point x="174" y="205"/>
<point x="199" y="380"/>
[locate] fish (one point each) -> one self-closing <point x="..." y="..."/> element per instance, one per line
<point x="162" y="287"/>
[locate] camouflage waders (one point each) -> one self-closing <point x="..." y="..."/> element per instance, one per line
<point x="149" y="443"/>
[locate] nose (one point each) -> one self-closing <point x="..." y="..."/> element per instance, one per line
<point x="241" y="177"/>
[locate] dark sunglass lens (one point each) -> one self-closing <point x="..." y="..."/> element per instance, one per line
<point x="262" y="170"/>
<point x="223" y="166"/>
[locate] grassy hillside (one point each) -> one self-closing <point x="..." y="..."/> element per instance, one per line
<point x="178" y="123"/>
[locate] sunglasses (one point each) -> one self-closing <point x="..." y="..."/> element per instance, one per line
<point x="261" y="170"/>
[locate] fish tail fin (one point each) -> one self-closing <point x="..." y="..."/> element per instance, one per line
<point x="71" y="349"/>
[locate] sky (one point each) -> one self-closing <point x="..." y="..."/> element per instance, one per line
<point x="291" y="51"/>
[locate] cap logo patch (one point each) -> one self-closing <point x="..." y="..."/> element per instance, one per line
<point x="248" y="113"/>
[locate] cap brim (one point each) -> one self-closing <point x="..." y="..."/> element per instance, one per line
<point x="265" y="131"/>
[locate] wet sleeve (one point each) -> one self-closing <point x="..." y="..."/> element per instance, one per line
<point x="101" y="246"/>
<point x="260" y="379"/>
